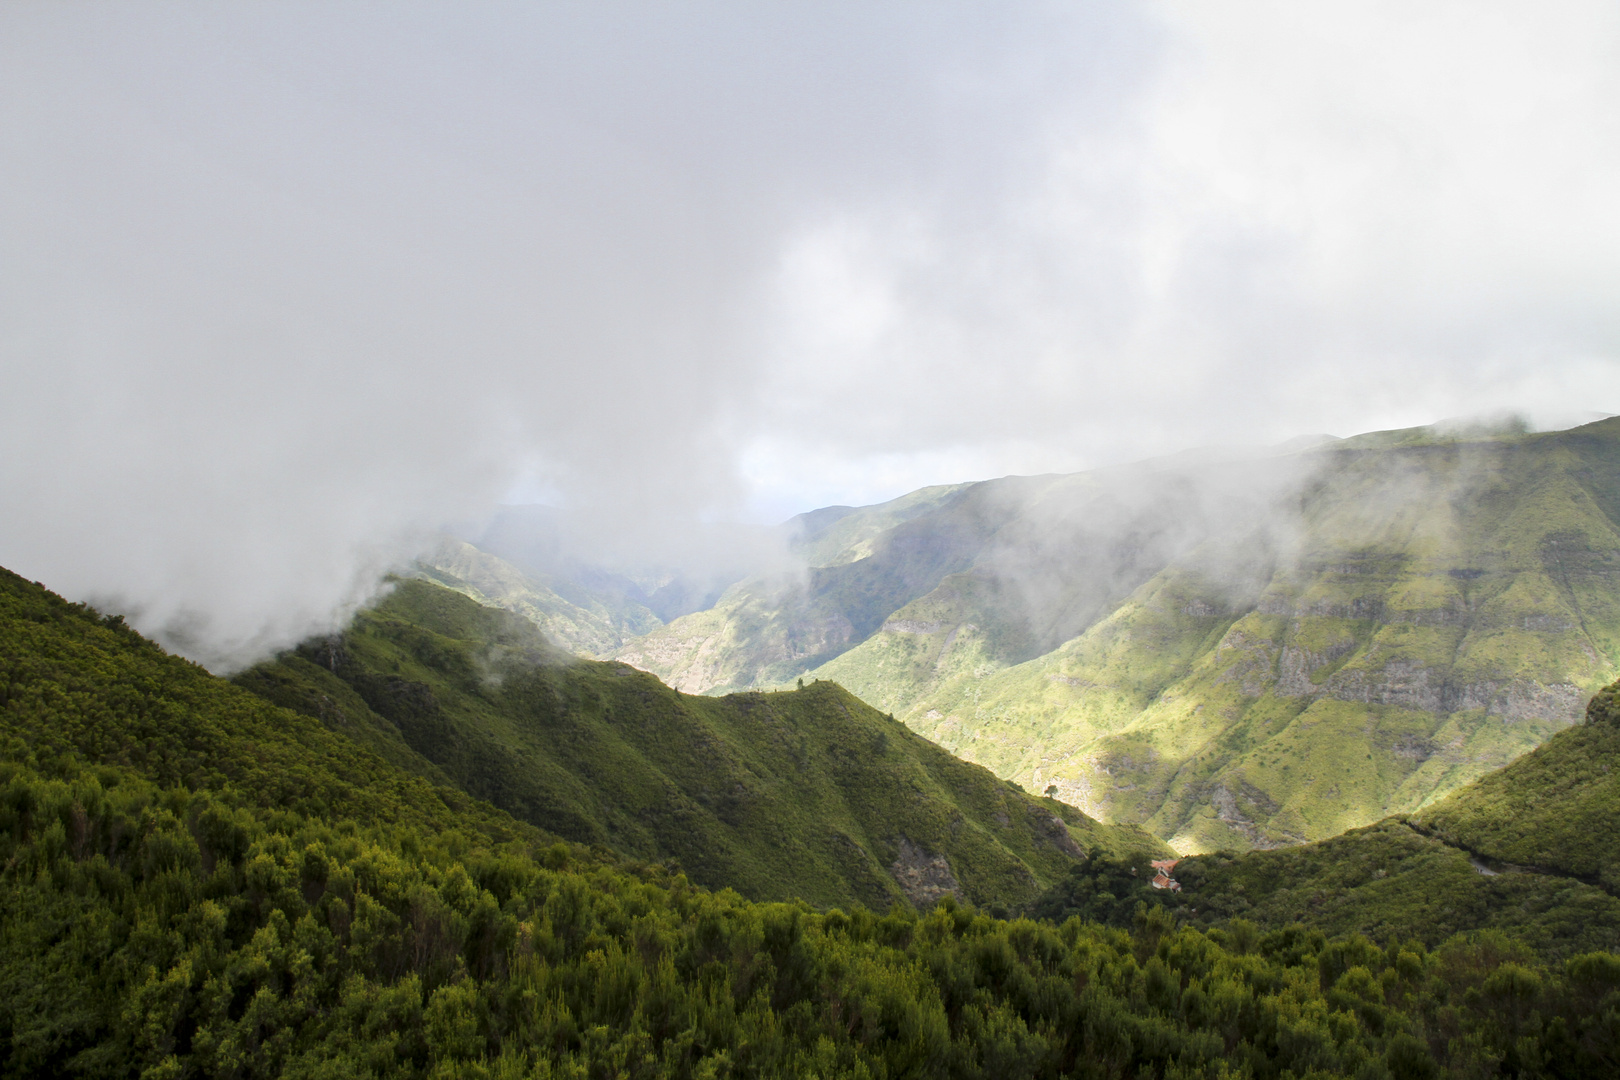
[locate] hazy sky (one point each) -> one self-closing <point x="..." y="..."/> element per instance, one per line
<point x="284" y="287"/>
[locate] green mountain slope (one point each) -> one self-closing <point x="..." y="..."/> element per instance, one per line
<point x="1233" y="651"/>
<point x="1044" y="556"/>
<point x="1552" y="810"/>
<point x="837" y="535"/>
<point x="808" y="794"/>
<point x="1446" y="608"/>
<point x="761" y="632"/>
<point x="76" y="687"/>
<point x="1519" y="851"/>
<point x="1365" y="627"/>
<point x="765" y="630"/>
<point x="194" y="882"/>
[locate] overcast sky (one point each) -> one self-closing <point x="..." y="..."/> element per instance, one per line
<point x="286" y="287"/>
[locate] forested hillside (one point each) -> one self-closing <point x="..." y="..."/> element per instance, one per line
<point x="807" y="794"/>
<point x="194" y="882"/>
<point x="79" y="688"/>
<point x="1554" y="810"/>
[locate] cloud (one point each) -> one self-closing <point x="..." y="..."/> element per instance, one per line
<point x="284" y="288"/>
<point x="1312" y="218"/>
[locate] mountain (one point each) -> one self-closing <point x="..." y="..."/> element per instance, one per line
<point x="77" y="687"/>
<point x="196" y="882"/>
<point x="1232" y="650"/>
<point x="766" y="629"/>
<point x="546" y="544"/>
<point x="1519" y="851"/>
<point x="581" y="620"/>
<point x="807" y="794"/>
<point x="1551" y="811"/>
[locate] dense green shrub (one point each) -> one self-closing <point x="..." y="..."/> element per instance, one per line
<point x="166" y="932"/>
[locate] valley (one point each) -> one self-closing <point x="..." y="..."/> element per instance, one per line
<point x="1232" y="650"/>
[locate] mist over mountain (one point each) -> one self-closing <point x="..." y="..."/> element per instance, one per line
<point x="715" y="539"/>
<point x="546" y="542"/>
<point x="1233" y="647"/>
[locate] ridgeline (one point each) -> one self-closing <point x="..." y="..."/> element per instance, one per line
<point x="806" y="794"/>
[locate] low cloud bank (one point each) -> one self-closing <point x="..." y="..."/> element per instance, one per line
<point x="286" y="290"/>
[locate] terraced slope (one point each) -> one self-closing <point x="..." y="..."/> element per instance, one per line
<point x="808" y="793"/>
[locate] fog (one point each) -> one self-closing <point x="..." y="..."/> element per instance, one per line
<point x="287" y="290"/>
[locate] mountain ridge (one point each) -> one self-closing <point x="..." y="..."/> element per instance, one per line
<point x="807" y="793"/>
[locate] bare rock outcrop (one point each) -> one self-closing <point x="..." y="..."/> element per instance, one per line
<point x="924" y="878"/>
<point x="1230" y="812"/>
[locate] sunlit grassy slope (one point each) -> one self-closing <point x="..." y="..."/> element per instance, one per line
<point x="1443" y="610"/>
<point x="1233" y="652"/>
<point x="806" y="793"/>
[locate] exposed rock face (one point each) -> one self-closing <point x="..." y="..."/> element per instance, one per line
<point x="924" y="878"/>
<point x="1296" y="667"/>
<point x="1412" y="686"/>
<point x="1259" y="664"/>
<point x="1053" y="831"/>
<point x="1248" y="660"/>
<point x="1228" y="810"/>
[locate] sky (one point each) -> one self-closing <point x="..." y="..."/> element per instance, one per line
<point x="287" y="289"/>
